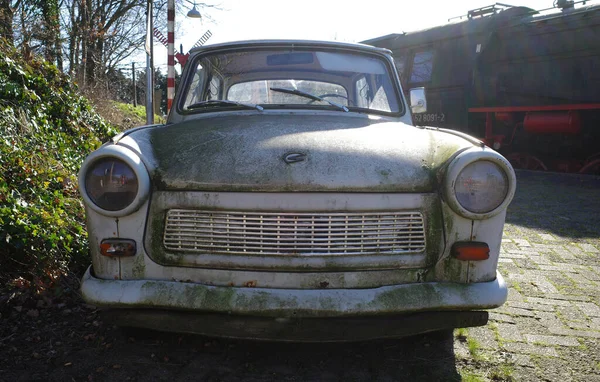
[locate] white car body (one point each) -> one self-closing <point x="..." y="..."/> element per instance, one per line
<point x="303" y="222"/>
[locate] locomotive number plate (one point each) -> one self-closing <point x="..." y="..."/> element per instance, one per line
<point x="429" y="117"/>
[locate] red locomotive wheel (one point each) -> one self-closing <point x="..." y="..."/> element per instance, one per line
<point x="592" y="158"/>
<point x="592" y="167"/>
<point x="526" y="161"/>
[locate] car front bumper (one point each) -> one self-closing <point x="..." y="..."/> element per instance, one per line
<point x="190" y="307"/>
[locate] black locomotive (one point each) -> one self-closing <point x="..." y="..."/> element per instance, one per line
<point x="526" y="82"/>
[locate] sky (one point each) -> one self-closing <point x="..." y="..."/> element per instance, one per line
<point x="347" y="21"/>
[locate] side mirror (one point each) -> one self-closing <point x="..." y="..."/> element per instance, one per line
<point x="418" y="100"/>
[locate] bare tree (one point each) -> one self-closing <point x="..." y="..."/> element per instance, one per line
<point x="51" y="31"/>
<point x="7" y="11"/>
<point x="92" y="37"/>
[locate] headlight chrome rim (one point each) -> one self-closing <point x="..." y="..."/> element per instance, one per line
<point x="465" y="159"/>
<point x="132" y="160"/>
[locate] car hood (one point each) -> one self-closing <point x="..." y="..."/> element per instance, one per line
<point x="355" y="153"/>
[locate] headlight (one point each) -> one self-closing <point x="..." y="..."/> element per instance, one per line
<point x="114" y="181"/>
<point x="481" y="186"/>
<point x="111" y="184"/>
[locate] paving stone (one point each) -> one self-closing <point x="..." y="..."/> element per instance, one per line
<point x="551" y="340"/>
<point x="566" y="297"/>
<point x="526" y="251"/>
<point x="550" y="369"/>
<point x="580" y="325"/>
<point x="574" y="249"/>
<point x="547" y="248"/>
<point x="583" y="282"/>
<point x="537" y="280"/>
<point x="577" y="333"/>
<point x="519" y="304"/>
<point x="550" y="268"/>
<point x="572" y="268"/>
<point x="509" y="332"/>
<point x="521" y="242"/>
<point x="506" y="268"/>
<point x="522" y="360"/>
<point x="509" y="247"/>
<point x="516" y="311"/>
<point x="543" y="308"/>
<point x="548" y="301"/>
<point x="461" y="351"/>
<point x="546" y="236"/>
<point x="484" y="336"/>
<point x="590" y="275"/>
<point x="571" y="313"/>
<point x="541" y="260"/>
<point x="520" y="347"/>
<point x="501" y="260"/>
<point x="590" y="309"/>
<point x="510" y="255"/>
<point x="564" y="254"/>
<point x="526" y="264"/>
<point x="514" y="295"/>
<point x="499" y="317"/>
<point x="528" y="306"/>
<point x="549" y="320"/>
<point x="594" y="323"/>
<point x="589" y="248"/>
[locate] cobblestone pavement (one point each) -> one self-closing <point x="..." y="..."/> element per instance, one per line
<point x="550" y="327"/>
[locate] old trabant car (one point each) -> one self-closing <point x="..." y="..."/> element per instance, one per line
<point x="290" y="197"/>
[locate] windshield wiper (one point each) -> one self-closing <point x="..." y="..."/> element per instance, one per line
<point x="311" y="96"/>
<point x="223" y="102"/>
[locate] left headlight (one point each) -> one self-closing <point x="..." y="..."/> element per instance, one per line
<point x="113" y="181"/>
<point x="480" y="183"/>
<point x="481" y="186"/>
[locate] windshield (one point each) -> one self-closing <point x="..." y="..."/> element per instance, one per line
<point x="275" y="78"/>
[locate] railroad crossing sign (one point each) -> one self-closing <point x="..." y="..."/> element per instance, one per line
<point x="180" y="57"/>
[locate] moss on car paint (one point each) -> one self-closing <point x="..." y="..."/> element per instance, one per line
<point x="453" y="270"/>
<point x="245" y="154"/>
<point x="138" y="270"/>
<point x="156" y="250"/>
<point x="394" y="298"/>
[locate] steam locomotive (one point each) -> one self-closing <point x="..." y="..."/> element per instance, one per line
<point x="526" y="82"/>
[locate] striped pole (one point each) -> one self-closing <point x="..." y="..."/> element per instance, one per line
<point x="171" y="53"/>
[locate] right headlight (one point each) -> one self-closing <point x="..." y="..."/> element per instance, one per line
<point x="111" y="184"/>
<point x="479" y="183"/>
<point x="113" y="181"/>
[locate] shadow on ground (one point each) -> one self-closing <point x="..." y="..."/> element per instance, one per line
<point x="564" y="194"/>
<point x="143" y="355"/>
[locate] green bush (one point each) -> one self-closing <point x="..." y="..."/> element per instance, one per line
<point x="46" y="130"/>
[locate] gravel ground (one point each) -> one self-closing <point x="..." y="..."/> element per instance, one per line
<point x="548" y="330"/>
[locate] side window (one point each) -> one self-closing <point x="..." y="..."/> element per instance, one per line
<point x="400" y="62"/>
<point x="214" y="88"/>
<point x="363" y="93"/>
<point x="195" y="91"/>
<point x="422" y="67"/>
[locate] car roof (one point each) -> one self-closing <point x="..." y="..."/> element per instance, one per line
<point x="290" y="43"/>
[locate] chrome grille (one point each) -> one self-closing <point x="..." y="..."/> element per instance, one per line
<point x="276" y="233"/>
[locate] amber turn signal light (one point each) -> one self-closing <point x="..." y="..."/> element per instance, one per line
<point x="117" y="247"/>
<point x="471" y="251"/>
